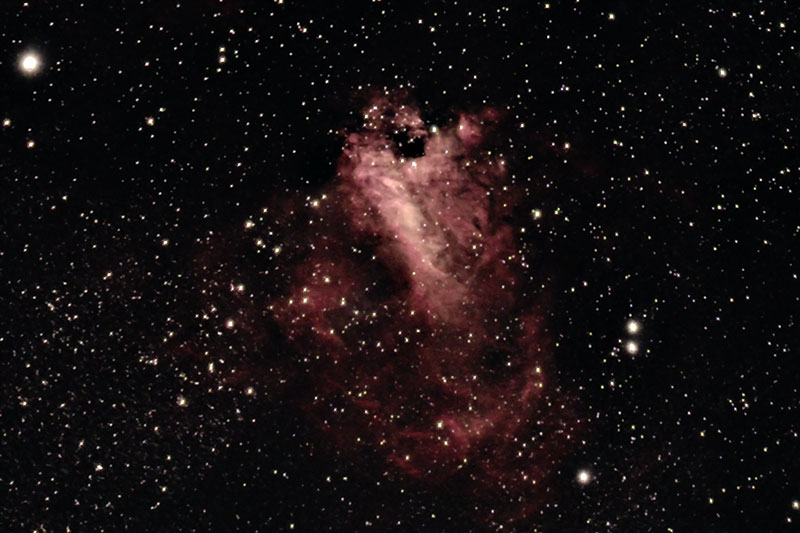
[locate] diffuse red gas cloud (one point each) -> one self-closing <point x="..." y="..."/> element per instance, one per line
<point x="418" y="302"/>
<point x="419" y="326"/>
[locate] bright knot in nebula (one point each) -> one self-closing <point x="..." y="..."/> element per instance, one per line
<point x="426" y="321"/>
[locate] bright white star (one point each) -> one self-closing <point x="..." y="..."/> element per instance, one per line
<point x="633" y="327"/>
<point x="30" y="63"/>
<point x="584" y="477"/>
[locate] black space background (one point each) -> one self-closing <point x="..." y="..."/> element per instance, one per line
<point x="680" y="210"/>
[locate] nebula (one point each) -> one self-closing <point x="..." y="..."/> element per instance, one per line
<point x="418" y="330"/>
<point x="418" y="300"/>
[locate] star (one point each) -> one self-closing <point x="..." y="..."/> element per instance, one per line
<point x="584" y="477"/>
<point x="30" y="63"/>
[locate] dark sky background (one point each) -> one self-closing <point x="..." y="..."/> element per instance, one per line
<point x="162" y="153"/>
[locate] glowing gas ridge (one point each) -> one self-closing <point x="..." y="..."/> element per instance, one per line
<point x="432" y="211"/>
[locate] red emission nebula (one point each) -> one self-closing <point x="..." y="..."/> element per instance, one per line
<point x="424" y="323"/>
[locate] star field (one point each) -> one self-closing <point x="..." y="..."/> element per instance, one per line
<point x="273" y="266"/>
